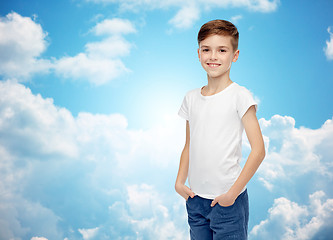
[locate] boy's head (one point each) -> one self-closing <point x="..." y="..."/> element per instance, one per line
<point x="219" y="27"/>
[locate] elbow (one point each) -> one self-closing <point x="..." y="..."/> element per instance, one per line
<point x="263" y="154"/>
<point x="260" y="153"/>
<point x="177" y="187"/>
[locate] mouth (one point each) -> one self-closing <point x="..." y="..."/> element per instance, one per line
<point x="213" y="65"/>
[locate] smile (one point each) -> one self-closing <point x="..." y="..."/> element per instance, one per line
<point x="213" y="65"/>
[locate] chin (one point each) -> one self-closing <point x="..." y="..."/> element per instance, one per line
<point x="214" y="75"/>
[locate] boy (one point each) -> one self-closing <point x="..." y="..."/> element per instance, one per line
<point x="216" y="115"/>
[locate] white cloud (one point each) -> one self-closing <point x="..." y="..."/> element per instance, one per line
<point x="254" y="5"/>
<point x="97" y="71"/>
<point x="141" y="198"/>
<point x="236" y="18"/>
<point x="115" y="26"/>
<point x="35" y="122"/>
<point x="108" y="48"/>
<point x="150" y="218"/>
<point x="186" y="16"/>
<point x="329" y="46"/>
<point x="189" y="11"/>
<point x="262" y="5"/>
<point x="89" y="233"/>
<point x="50" y="158"/>
<point x="53" y="165"/>
<point x="100" y="63"/>
<point x="38" y="238"/>
<point x="22" y="42"/>
<point x="21" y="218"/>
<point x="291" y="221"/>
<point x="293" y="152"/>
<point x="130" y="5"/>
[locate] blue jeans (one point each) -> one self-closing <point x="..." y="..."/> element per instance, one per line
<point x="218" y="223"/>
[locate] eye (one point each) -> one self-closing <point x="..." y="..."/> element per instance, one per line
<point x="205" y="50"/>
<point x="222" y="50"/>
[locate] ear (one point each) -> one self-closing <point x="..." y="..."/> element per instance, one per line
<point x="236" y="55"/>
<point x="199" y="54"/>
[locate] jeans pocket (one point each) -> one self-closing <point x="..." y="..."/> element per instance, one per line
<point x="226" y="207"/>
<point x="189" y="198"/>
<point x="227" y="214"/>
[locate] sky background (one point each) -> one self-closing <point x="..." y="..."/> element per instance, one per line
<point x="90" y="139"/>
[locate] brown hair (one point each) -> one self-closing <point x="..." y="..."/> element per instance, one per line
<point x="219" y="27"/>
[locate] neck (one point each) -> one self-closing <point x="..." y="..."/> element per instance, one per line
<point x="217" y="84"/>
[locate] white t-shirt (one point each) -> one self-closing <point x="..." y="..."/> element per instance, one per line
<point x="215" y="138"/>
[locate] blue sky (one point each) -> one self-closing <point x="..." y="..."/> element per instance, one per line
<point x="89" y="134"/>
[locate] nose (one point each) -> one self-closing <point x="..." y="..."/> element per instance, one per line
<point x="213" y="55"/>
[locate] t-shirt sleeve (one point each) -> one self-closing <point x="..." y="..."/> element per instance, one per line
<point x="183" y="111"/>
<point x="244" y="101"/>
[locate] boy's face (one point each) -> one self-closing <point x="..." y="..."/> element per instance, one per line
<point x="216" y="55"/>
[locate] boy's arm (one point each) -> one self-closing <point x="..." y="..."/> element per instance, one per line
<point x="257" y="154"/>
<point x="180" y="186"/>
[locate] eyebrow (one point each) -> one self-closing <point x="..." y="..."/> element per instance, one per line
<point x="205" y="46"/>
